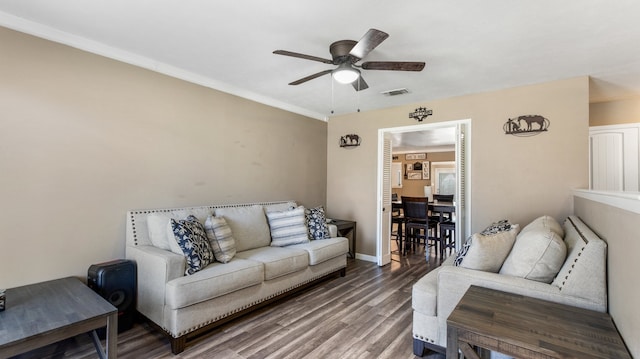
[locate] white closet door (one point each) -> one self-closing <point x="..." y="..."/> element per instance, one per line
<point x="606" y="162"/>
<point x="385" y="230"/>
<point x="614" y="154"/>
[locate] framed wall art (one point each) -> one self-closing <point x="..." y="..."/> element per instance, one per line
<point x="413" y="171"/>
<point x="415" y="156"/>
<point x="426" y="170"/>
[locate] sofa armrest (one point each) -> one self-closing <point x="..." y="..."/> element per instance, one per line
<point x="453" y="282"/>
<point x="333" y="230"/>
<point x="155" y="268"/>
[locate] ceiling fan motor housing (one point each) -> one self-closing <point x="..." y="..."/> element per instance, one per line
<point x="340" y="51"/>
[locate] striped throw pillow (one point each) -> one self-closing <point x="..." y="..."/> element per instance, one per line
<point x="221" y="238"/>
<point x="288" y="227"/>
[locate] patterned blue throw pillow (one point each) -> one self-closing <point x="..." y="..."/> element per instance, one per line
<point x="317" y="223"/>
<point x="463" y="252"/>
<point x="192" y="239"/>
<point x="497" y="227"/>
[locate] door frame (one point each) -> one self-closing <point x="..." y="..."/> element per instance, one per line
<point x="383" y="254"/>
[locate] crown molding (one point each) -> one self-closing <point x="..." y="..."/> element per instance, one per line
<point x="94" y="47"/>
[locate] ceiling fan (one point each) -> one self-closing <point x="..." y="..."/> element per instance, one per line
<point x="346" y="53"/>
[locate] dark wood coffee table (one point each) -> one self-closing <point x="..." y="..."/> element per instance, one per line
<point x="525" y="327"/>
<point x="43" y="313"/>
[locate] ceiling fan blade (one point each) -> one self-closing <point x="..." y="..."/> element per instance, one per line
<point x="393" y="65"/>
<point x="360" y="84"/>
<point x="367" y="43"/>
<point x="302" y="56"/>
<point x="310" y="77"/>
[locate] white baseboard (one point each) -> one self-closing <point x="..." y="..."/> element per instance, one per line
<point x="366" y="257"/>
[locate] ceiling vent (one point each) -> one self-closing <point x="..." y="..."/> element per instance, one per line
<point x="395" y="92"/>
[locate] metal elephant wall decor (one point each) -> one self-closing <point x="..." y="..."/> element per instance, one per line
<point x="350" y="140"/>
<point x="526" y="125"/>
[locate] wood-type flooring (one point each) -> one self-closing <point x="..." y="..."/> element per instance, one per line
<point x="366" y="314"/>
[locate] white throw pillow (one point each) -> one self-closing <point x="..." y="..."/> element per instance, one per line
<point x="488" y="252"/>
<point x="288" y="227"/>
<point x="537" y="255"/>
<point x="161" y="232"/>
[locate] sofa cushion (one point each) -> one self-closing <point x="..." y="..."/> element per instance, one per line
<point x="277" y="261"/>
<point x="161" y="233"/>
<point x="543" y="222"/>
<point x="493" y="228"/>
<point x="159" y="226"/>
<point x="287" y="227"/>
<point x="537" y="254"/>
<point x="192" y="239"/>
<point x="278" y="207"/>
<point x="222" y="242"/>
<point x="317" y="223"/>
<point x="320" y="251"/>
<point x="215" y="280"/>
<point x="248" y="225"/>
<point x="487" y="252"/>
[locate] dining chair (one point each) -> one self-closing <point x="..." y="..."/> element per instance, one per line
<point x="447" y="237"/>
<point x="443" y="216"/>
<point x="397" y="219"/>
<point x="417" y="225"/>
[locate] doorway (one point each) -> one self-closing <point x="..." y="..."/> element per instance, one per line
<point x="462" y="175"/>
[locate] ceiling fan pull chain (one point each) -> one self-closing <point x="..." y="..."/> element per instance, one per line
<point x="332" y="101"/>
<point x="358" y="95"/>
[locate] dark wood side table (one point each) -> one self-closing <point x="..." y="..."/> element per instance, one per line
<point x="347" y="229"/>
<point x="526" y="327"/>
<point x="44" y="313"/>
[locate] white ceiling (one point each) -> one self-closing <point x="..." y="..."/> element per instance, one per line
<point x="433" y="140"/>
<point x="469" y="46"/>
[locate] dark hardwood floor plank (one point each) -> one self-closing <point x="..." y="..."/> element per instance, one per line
<point x="366" y="314"/>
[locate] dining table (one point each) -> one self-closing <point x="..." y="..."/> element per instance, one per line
<point x="440" y="207"/>
<point x="444" y="209"/>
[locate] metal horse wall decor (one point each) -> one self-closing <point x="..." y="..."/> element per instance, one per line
<point x="350" y="140"/>
<point x="526" y="125"/>
<point x="420" y="114"/>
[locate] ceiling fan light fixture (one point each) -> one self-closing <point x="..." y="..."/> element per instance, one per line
<point x="345" y="74"/>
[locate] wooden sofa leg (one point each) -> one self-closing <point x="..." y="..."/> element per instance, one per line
<point x="343" y="272"/>
<point x="178" y="344"/>
<point x="418" y="347"/>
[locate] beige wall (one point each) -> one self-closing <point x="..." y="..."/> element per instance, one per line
<point x="518" y="178"/>
<point x="614" y="112"/>
<point x="84" y="138"/>
<point x="619" y="228"/>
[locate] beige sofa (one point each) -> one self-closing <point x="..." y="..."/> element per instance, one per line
<point x="184" y="306"/>
<point x="578" y="279"/>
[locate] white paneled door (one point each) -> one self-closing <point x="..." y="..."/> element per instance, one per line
<point x="384" y="251"/>
<point x="613" y="152"/>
